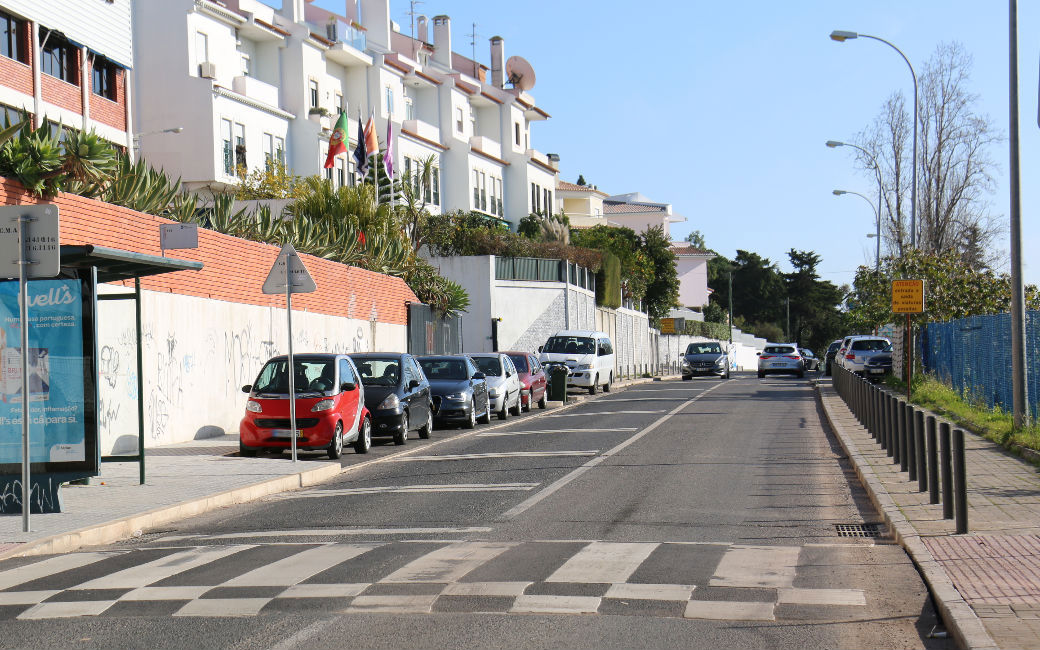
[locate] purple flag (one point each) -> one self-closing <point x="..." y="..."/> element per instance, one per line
<point x="388" y="155"/>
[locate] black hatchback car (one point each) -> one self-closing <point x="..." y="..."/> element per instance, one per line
<point x="832" y="351"/>
<point x="396" y="394"/>
<point x="459" y="390"/>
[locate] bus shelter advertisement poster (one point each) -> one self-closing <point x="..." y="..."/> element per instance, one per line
<point x="56" y="431"/>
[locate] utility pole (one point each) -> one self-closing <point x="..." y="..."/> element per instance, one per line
<point x="1018" y="314"/>
<point x="731" y="307"/>
<point x="788" y="300"/>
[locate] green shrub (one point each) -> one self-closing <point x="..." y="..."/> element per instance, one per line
<point x="608" y="282"/>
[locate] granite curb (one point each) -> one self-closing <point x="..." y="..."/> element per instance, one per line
<point x="961" y="621"/>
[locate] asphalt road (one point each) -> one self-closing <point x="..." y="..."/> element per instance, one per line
<point x="696" y="514"/>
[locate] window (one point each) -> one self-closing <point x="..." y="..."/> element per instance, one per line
<point x="494" y="201"/>
<point x="279" y="150"/>
<point x="516" y="131"/>
<point x="458" y="120"/>
<point x="435" y="183"/>
<point x="313" y="87"/>
<point x="346" y="373"/>
<point x="389" y="101"/>
<point x="409" y="109"/>
<point x="60" y="59"/>
<point x="501" y="212"/>
<point x="245" y="65"/>
<point x="201" y="49"/>
<point x="476" y="190"/>
<point x="340" y="106"/>
<point x="103" y="74"/>
<point x="268" y="143"/>
<point x="240" y="147"/>
<point x="13" y="34"/>
<point x="229" y="151"/>
<point x="547" y="204"/>
<point x="483" y="192"/>
<point x="341" y="172"/>
<point x="534" y="197"/>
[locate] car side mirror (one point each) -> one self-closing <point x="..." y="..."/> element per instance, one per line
<point x="478" y="375"/>
<point x="758" y="354"/>
<point x="347" y="386"/>
<point x="247" y="389"/>
<point x="413" y="384"/>
<point x="539" y="349"/>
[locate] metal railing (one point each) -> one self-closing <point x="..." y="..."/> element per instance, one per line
<point x="910" y="437"/>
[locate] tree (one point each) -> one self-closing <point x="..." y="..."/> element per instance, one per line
<point x="697" y="239"/>
<point x="815" y="304"/>
<point x="954" y="166"/>
<point x="662" y="293"/>
<point x="581" y="180"/>
<point x="758" y="289"/>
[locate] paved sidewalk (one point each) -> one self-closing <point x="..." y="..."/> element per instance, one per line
<point x="986" y="583"/>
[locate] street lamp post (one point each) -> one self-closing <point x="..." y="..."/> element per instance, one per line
<point x="877" y="222"/>
<point x="877" y="170"/>
<point x="841" y="37"/>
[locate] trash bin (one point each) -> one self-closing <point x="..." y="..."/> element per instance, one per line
<point x="558" y="383"/>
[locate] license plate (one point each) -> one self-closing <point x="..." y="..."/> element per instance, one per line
<point x="877" y="371"/>
<point x="778" y="365"/>
<point x="284" y="433"/>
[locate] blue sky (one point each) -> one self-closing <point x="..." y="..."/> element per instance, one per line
<point x="722" y="108"/>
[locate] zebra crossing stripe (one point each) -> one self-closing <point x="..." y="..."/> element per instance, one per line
<point x="300" y="566"/>
<point x="541" y="604"/>
<point x="26" y="597"/>
<point x="49" y="567"/>
<point x="66" y="609"/>
<point x="336" y="532"/>
<point x="450" y="563"/>
<point x="845" y="597"/>
<point x="145" y="574"/>
<point x="724" y="610"/>
<point x="422" y="604"/>
<point x="637" y="591"/>
<point x="189" y="592"/>
<point x="757" y="566"/>
<point x="486" y="588"/>
<point x="325" y="590"/>
<point x="221" y="607"/>
<point x="603" y="562"/>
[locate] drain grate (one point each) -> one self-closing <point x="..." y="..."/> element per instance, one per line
<point x="857" y="530"/>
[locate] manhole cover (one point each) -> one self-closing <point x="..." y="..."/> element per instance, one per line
<point x="857" y="530"/>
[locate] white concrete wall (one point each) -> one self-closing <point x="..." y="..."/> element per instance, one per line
<point x="531" y="312"/>
<point x="693" y="281"/>
<point x="198" y="353"/>
<point x="743" y="353"/>
<point x="476" y="274"/>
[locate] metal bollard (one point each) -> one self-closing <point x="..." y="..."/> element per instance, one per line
<point x="889" y="422"/>
<point x="911" y="444"/>
<point x="900" y="431"/>
<point x="933" y="463"/>
<point x="873" y="413"/>
<point x="960" y="479"/>
<point x="945" y="470"/>
<point x="922" y="466"/>
<point x="904" y="443"/>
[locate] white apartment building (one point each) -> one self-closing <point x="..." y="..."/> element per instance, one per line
<point x="587" y="206"/>
<point x="249" y="83"/>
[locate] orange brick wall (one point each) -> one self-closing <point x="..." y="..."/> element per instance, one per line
<point x="106" y="111"/>
<point x="16" y="75"/>
<point x="234" y="269"/>
<point x="61" y="93"/>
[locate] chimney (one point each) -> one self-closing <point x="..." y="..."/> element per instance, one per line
<point x="375" y="18"/>
<point x="294" y="10"/>
<point x="442" y="40"/>
<point x="421" y="31"/>
<point x="498" y="55"/>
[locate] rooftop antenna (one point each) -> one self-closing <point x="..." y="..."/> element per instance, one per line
<point x="412" y="14"/>
<point x="473" y="42"/>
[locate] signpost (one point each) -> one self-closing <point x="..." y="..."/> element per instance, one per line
<point x="28" y="249"/>
<point x="908" y="298"/>
<point x="289" y="276"/>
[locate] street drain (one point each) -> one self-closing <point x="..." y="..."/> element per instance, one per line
<point x="857" y="530"/>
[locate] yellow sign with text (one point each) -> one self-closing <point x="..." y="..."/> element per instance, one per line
<point x="668" y="326"/>
<point x="907" y="296"/>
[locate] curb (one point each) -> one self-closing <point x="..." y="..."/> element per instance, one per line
<point x="127" y="527"/>
<point x="960" y="619"/>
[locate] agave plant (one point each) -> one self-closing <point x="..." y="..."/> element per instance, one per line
<point x="223" y="218"/>
<point x="35" y="158"/>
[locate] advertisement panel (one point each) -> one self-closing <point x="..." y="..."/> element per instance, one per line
<point x="63" y="431"/>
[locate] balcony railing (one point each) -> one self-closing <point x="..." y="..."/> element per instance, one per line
<point x="342" y="32"/>
<point x="533" y="269"/>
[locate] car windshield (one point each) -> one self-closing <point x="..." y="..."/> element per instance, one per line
<point x="870" y="345"/>
<point x="704" y="348"/>
<point x="311" y="376"/>
<point x="520" y="361"/>
<point x="490" y="366"/>
<point x="570" y="345"/>
<point x="379" y="372"/>
<point x="807" y="353"/>
<point x="444" y="369"/>
<point x="833" y="347"/>
<point x="779" y="349"/>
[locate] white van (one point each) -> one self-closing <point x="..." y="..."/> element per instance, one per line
<point x="589" y="355"/>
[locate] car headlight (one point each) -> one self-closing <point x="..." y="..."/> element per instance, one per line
<point x="323" y="405"/>
<point x="686" y="363"/>
<point x="584" y="366"/>
<point x="493" y="392"/>
<point x="456" y="396"/>
<point x="254" y="407"/>
<point x="391" y="402"/>
<point x="721" y="361"/>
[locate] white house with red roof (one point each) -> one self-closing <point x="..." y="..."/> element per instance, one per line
<point x="691" y="263"/>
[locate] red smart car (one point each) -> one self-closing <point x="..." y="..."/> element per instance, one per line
<point x="532" y="379"/>
<point x="330" y="407"/>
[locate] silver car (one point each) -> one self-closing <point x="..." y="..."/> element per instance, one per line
<point x="503" y="382"/>
<point x="862" y="348"/>
<point x="780" y="358"/>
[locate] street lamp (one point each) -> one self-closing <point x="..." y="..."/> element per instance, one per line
<point x="877" y="221"/>
<point x="841" y="37"/>
<point x="877" y="170"/>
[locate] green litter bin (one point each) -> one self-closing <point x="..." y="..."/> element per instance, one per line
<point x="558" y="383"/>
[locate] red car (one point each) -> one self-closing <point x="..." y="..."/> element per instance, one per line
<point x="330" y="407"/>
<point x="532" y="379"/>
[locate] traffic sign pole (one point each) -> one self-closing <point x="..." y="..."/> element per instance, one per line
<point x="23" y="327"/>
<point x="292" y="373"/>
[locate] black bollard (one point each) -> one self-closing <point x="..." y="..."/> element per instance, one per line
<point x="911" y="444"/>
<point x="960" y="479"/>
<point x="933" y="463"/>
<point x="900" y="431"/>
<point x="922" y="457"/>
<point x="945" y="470"/>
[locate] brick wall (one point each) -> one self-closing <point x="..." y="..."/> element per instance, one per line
<point x="16" y="75"/>
<point x="106" y="111"/>
<point x="235" y="269"/>
<point x="61" y="93"/>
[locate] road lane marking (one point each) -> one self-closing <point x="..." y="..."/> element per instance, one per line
<point x="724" y="610"/>
<point x="344" y="590"/>
<point x="842" y="597"/>
<point x="757" y="566"/>
<point x="450" y="563"/>
<point x="537" y="497"/>
<point x="145" y="574"/>
<point x="26" y="597"/>
<point x="393" y="604"/>
<point x="639" y="591"/>
<point x="49" y="567"/>
<point x="498" y="434"/>
<point x="300" y="566"/>
<point x="486" y="588"/>
<point x="603" y="562"/>
<point x="219" y="607"/>
<point x="66" y="609"/>
<point x="390" y="489"/>
<point x="166" y="593"/>
<point x="333" y="532"/>
<point x="585" y="415"/>
<point x="509" y="454"/>
<point x="539" y="604"/>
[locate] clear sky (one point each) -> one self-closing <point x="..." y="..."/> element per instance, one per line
<point x="722" y="108"/>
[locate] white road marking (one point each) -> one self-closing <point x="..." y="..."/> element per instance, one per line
<point x="26" y="597"/>
<point x="387" y="489"/>
<point x="637" y="591"/>
<point x="498" y="434"/>
<point x="846" y="597"/>
<point x="334" y="532"/>
<point x="166" y="593"/>
<point x="299" y="566"/>
<point x="218" y="607"/>
<point x="485" y="589"/>
<point x="585" y="415"/>
<point x="510" y="454"/>
<point x="537" y="497"/>
<point x="395" y="604"/>
<point x="450" y="563"/>
<point x="145" y="574"/>
<point x="66" y="609"/>
<point x="324" y="590"/>
<point x="539" y="604"/>
<point x="49" y="567"/>
<point x="603" y="562"/>
<point x="723" y="610"/>
<point x="614" y="400"/>
<point x="757" y="566"/>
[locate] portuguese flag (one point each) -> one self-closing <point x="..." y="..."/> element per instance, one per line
<point x="337" y="141"/>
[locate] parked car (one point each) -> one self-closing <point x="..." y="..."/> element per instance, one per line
<point x="705" y="358"/>
<point x="780" y="358"/>
<point x="330" y="407"/>
<point x="810" y="360"/>
<point x="832" y="349"/>
<point x="587" y="353"/>
<point x="458" y="388"/>
<point x="533" y="382"/>
<point x="860" y="349"/>
<point x="879" y="365"/>
<point x="503" y="382"/>
<point x="396" y="394"/>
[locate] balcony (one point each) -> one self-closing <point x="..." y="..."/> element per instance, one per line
<point x="422" y="129"/>
<point x="486" y="145"/>
<point x="349" y="44"/>
<point x="256" y="90"/>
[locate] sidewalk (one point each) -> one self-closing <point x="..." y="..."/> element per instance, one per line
<point x="987" y="583"/>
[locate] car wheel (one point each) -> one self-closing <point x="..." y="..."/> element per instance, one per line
<point x="401" y="437"/>
<point x="519" y="408"/>
<point x="472" y="421"/>
<point x="336" y="446"/>
<point x="525" y="405"/>
<point x="427" y="428"/>
<point x="248" y="452"/>
<point x="364" y="439"/>
<point x="801" y="374"/>
<point x="541" y="402"/>
<point x="761" y="374"/>
<point x="486" y="418"/>
<point x="610" y="380"/>
<point x="504" y="413"/>
<point x="687" y="377"/>
<point x="594" y="386"/>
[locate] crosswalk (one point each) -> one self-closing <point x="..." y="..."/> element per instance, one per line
<point x="426" y="577"/>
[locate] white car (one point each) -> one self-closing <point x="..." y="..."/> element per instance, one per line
<point x="588" y="354"/>
<point x="503" y="382"/>
<point x="860" y="349"/>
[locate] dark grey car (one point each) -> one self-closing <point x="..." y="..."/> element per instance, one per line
<point x="396" y="394"/>
<point x="705" y="358"/>
<point x="459" y="390"/>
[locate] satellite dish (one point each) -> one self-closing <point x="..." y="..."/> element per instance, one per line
<point x="520" y="73"/>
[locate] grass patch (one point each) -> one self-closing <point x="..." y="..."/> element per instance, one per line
<point x="991" y="423"/>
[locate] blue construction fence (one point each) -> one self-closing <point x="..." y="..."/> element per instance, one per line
<point x="973" y="355"/>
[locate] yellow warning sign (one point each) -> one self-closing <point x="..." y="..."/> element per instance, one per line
<point x="907" y="296"/>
